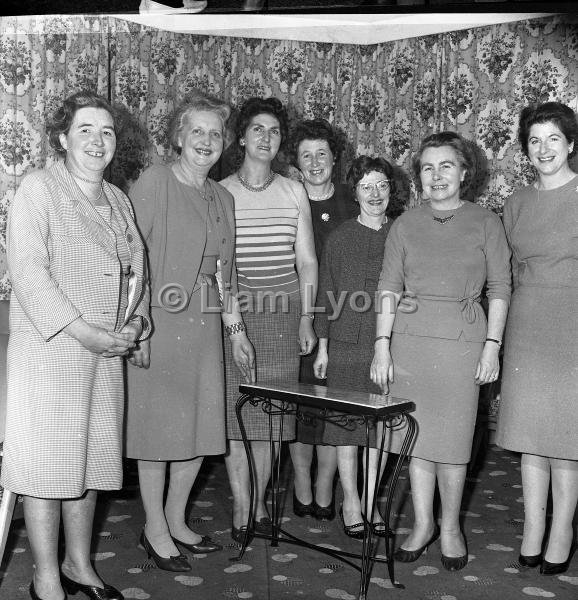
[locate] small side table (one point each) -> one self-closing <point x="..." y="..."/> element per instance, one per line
<point x="385" y="412"/>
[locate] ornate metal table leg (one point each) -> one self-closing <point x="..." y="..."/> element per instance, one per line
<point x="251" y="522"/>
<point x="407" y="442"/>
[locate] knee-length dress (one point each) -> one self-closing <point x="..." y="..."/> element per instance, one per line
<point x="350" y="268"/>
<point x="435" y="347"/>
<point x="176" y="408"/>
<point x="67" y="258"/>
<point x="266" y="223"/>
<point x="539" y="393"/>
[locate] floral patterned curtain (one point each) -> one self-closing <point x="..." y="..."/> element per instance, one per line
<point x="385" y="97"/>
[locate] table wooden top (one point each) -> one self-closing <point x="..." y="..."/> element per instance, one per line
<point x="319" y="396"/>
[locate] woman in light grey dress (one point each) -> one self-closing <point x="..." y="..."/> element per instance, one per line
<point x="539" y="405"/>
<point x="79" y="304"/>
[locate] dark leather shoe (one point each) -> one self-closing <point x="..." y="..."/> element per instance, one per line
<point x="302" y="510"/>
<point x="92" y="591"/>
<point x="239" y="533"/>
<point x="324" y="513"/>
<point x="530" y="561"/>
<point x="454" y="563"/>
<point x="205" y="546"/>
<point x="352" y="531"/>
<point x="548" y="568"/>
<point x="34" y="595"/>
<point x="264" y="526"/>
<point x="407" y="556"/>
<point x="178" y="563"/>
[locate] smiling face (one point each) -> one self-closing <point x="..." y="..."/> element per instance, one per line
<point x="315" y="161"/>
<point x="441" y="174"/>
<point x="262" y="137"/>
<point x="372" y="193"/>
<point x="201" y="139"/>
<point x="90" y="142"/>
<point x="548" y="148"/>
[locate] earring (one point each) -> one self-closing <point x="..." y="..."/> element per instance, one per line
<point x="241" y="142"/>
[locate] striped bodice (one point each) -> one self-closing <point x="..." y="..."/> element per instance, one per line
<point x="266" y="227"/>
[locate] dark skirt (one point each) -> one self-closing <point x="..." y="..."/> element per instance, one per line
<point x="348" y="368"/>
<point x="275" y="337"/>
<point x="310" y="431"/>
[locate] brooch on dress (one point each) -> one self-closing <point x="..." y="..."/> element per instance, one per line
<point x="325" y="217"/>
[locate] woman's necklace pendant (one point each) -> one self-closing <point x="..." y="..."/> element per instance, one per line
<point x="443" y="220"/>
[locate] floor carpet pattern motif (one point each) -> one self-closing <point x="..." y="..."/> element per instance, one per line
<point x="492" y="522"/>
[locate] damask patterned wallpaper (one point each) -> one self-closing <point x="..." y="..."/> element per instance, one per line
<point x="385" y="97"/>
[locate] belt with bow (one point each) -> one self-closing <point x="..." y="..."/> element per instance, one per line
<point x="467" y="304"/>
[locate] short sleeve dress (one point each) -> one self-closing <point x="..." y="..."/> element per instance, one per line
<point x="435" y="348"/>
<point x="539" y="395"/>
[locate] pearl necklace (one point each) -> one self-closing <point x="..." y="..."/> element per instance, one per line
<point x="323" y="196"/>
<point x="84" y="179"/>
<point x="256" y="188"/>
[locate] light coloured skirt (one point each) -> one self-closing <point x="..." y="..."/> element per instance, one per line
<point x="539" y="394"/>
<point x="438" y="376"/>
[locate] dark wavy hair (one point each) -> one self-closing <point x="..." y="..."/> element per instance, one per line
<point x="60" y="122"/>
<point x="197" y="101"/>
<point x="363" y="165"/>
<point x="314" y="129"/>
<point x="549" y="112"/>
<point x="459" y="145"/>
<point x="258" y="106"/>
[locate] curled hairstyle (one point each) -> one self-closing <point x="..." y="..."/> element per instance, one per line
<point x="61" y="121"/>
<point x="314" y="129"/>
<point x="258" y="106"/>
<point x="550" y="112"/>
<point x="363" y="165"/>
<point x="196" y="102"/>
<point x="458" y="144"/>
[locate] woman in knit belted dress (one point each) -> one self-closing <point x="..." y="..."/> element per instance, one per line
<point x="442" y="348"/>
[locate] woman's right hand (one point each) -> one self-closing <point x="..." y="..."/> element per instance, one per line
<point x="100" y="341"/>
<point x="320" y="364"/>
<point x="381" y="371"/>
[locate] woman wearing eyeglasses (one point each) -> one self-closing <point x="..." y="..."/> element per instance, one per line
<point x="443" y="252"/>
<point x="349" y="272"/>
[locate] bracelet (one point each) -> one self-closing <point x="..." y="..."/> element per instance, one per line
<point x="381" y="337"/>
<point x="494" y="340"/>
<point x="308" y="315"/>
<point x="237" y="327"/>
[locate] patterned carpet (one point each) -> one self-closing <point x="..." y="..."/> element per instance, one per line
<point x="492" y="522"/>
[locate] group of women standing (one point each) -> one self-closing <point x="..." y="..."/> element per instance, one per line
<point x="243" y="256"/>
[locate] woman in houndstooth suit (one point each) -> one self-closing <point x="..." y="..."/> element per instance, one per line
<point x="79" y="304"/>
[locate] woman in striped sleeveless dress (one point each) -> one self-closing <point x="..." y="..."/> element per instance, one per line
<point x="277" y="282"/>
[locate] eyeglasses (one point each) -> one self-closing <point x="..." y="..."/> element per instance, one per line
<point x="380" y="186"/>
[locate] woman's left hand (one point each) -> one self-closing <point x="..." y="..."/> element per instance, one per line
<point x="244" y="356"/>
<point x="307" y="337"/>
<point x="488" y="367"/>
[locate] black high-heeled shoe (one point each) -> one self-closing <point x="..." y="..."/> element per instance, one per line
<point x="408" y="556"/>
<point x="239" y="533"/>
<point x="531" y="561"/>
<point x="177" y="563"/>
<point x="548" y="568"/>
<point x="324" y="513"/>
<point x="455" y="563"/>
<point x="92" y="591"/>
<point x="34" y="595"/>
<point x="302" y="510"/>
<point x="205" y="546"/>
<point x="352" y="531"/>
